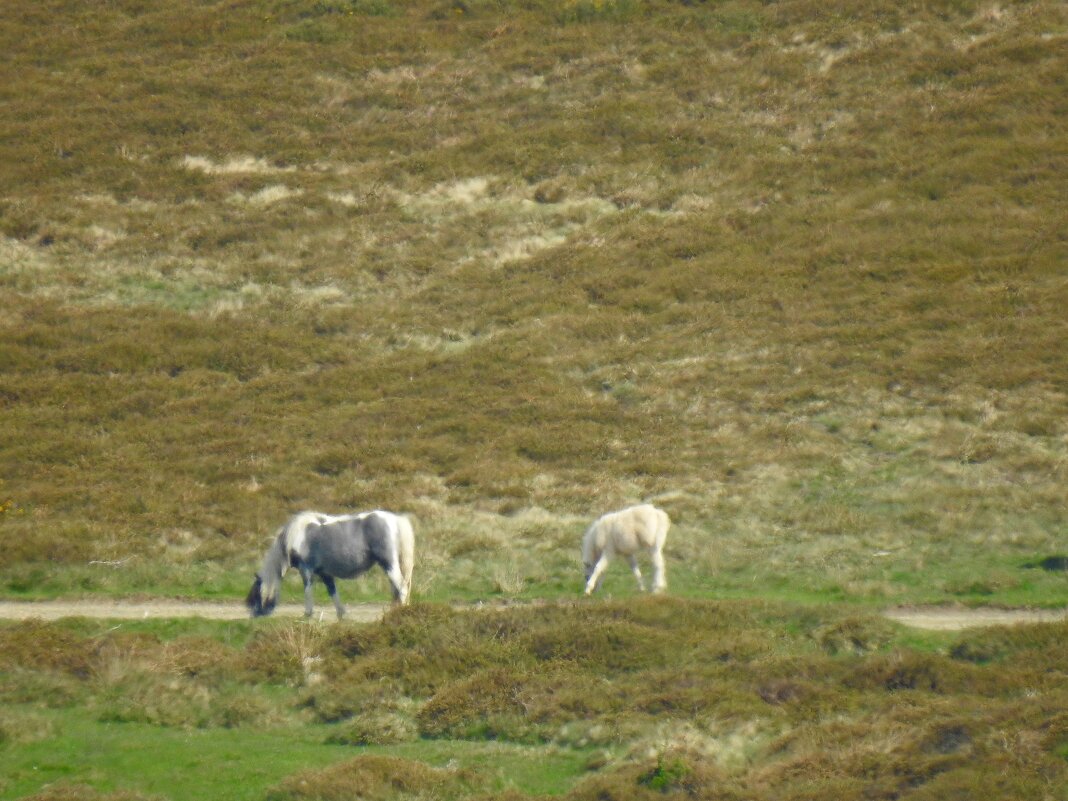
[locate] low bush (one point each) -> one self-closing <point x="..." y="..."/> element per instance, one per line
<point x="284" y="652"/>
<point x="378" y="727"/>
<point x="488" y="705"/>
<point x="902" y="670"/>
<point x="46" y="646"/>
<point x="856" y="635"/>
<point x="375" y="778"/>
<point x="143" y="696"/>
<point x="1042" y="647"/>
<point x="351" y="694"/>
<point x="31" y="685"/>
<point x="669" y="775"/>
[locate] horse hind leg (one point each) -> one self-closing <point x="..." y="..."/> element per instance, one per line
<point x="331" y="587"/>
<point x="397" y="583"/>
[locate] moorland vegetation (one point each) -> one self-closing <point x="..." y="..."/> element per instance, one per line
<point x="794" y="271"/>
<point x="621" y="700"/>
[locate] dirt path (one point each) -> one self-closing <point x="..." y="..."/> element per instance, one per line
<point x="129" y="610"/>
<point x="938" y="617"/>
<point x="954" y="618"/>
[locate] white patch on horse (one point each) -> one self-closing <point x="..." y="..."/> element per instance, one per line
<point x="296" y="529"/>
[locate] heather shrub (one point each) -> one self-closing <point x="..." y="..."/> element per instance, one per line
<point x="488" y="705"/>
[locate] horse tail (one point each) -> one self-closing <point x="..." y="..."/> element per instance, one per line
<point x="405" y="553"/>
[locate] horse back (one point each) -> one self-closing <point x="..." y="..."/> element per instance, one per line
<point x="346" y="547"/>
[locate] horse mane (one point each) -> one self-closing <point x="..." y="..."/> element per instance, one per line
<point x="289" y="539"/>
<point x="264" y="593"/>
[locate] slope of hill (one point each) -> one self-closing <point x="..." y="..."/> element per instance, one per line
<point x="794" y="271"/>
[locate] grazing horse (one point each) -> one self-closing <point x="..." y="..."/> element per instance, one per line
<point x="333" y="547"/>
<point x="625" y="533"/>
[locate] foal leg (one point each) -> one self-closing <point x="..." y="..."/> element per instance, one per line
<point x="307" y="576"/>
<point x="659" y="576"/>
<point x="594" y="580"/>
<point x="331" y="587"/>
<point x="637" y="572"/>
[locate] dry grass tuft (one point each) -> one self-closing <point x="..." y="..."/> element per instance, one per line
<point x="288" y="652"/>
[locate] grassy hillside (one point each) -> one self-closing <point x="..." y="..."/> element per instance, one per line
<point x="795" y="271"/>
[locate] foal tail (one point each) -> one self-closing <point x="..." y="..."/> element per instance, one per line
<point x="405" y="554"/>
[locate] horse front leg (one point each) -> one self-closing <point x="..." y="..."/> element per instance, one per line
<point x="306" y="576"/>
<point x="331" y="587"/>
